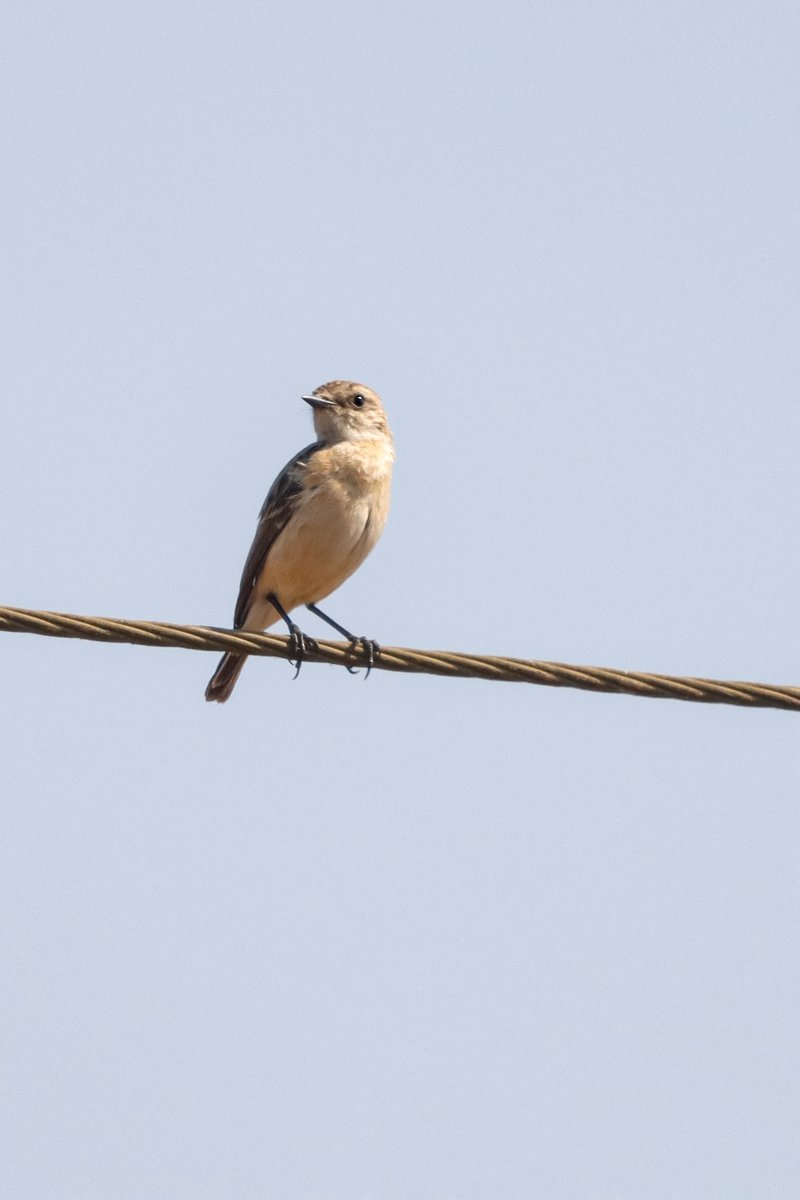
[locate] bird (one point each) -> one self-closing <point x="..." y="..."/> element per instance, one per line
<point x="321" y="518"/>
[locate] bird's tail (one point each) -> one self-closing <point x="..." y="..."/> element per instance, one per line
<point x="222" y="682"/>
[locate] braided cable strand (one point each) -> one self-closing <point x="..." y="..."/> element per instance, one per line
<point x="398" y="658"/>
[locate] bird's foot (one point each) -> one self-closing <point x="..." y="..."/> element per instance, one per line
<point x="300" y="645"/>
<point x="371" y="651"/>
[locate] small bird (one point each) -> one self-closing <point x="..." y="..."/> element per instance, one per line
<point x="322" y="516"/>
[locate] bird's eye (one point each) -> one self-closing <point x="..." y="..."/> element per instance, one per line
<point x="358" y="400"/>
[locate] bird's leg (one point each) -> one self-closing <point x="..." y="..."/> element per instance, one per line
<point x="299" y="643"/>
<point x="371" y="649"/>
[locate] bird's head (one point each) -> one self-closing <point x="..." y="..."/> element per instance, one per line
<point x="345" y="411"/>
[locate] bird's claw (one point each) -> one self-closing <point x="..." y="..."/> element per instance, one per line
<point x="371" y="651"/>
<point x="300" y="645"/>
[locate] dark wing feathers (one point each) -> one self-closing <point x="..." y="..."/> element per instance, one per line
<point x="275" y="512"/>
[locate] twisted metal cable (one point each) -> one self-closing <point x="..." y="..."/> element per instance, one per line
<point x="398" y="658"/>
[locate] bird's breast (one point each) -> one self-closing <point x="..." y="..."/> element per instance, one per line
<point x="338" y="518"/>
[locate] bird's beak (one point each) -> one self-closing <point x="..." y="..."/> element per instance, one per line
<point x="318" y="401"/>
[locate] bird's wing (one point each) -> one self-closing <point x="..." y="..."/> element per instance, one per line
<point x="275" y="513"/>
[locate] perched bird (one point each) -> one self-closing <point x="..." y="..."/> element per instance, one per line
<point x="324" y="513"/>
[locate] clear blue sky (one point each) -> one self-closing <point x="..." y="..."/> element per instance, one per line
<point x="412" y="938"/>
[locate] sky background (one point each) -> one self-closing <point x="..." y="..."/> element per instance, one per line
<point x="414" y="938"/>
